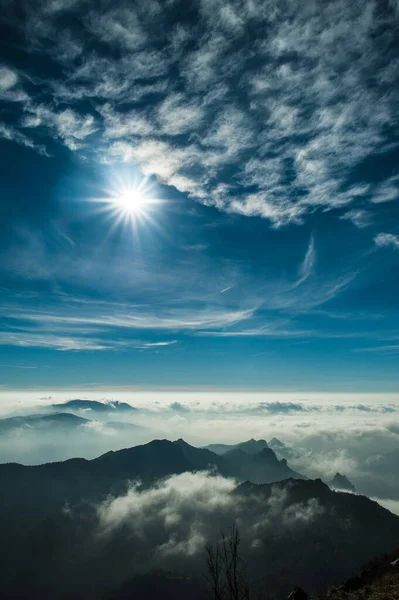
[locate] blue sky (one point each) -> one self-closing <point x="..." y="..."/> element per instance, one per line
<point x="264" y="137"/>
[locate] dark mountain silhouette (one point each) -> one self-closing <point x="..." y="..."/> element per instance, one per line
<point x="95" y="406"/>
<point x="51" y="548"/>
<point x="379" y="580"/>
<point x="350" y="530"/>
<point x="250" y="447"/>
<point x="341" y="482"/>
<point x="314" y="555"/>
<point x="262" y="467"/>
<point x="78" y="478"/>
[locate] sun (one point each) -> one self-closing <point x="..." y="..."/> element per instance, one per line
<point x="131" y="201"/>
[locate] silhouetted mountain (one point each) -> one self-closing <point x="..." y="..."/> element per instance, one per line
<point x="40" y="422"/>
<point x="200" y="458"/>
<point x="262" y="467"/>
<point x="296" y="532"/>
<point x="379" y="580"/>
<point x="78" y="478"/>
<point x="341" y="482"/>
<point x="94" y="405"/>
<point x="348" y="532"/>
<point x="250" y="447"/>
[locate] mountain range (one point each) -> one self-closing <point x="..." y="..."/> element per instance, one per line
<point x="250" y="447"/>
<point x="94" y="406"/>
<point x="302" y="532"/>
<point x="57" y="422"/>
<point x="79" y="478"/>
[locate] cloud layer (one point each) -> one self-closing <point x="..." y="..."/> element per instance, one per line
<point x="258" y="108"/>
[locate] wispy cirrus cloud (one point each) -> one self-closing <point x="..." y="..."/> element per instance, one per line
<point x="387" y="349"/>
<point x="251" y="307"/>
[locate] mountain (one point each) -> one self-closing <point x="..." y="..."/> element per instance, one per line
<point x="262" y="467"/>
<point x="315" y="555"/>
<point x="57" y="422"/>
<point x="295" y="532"/>
<point x="341" y="482"/>
<point x="250" y="447"/>
<point x="52" y="484"/>
<point x="95" y="406"/>
<point x="51" y="422"/>
<point x="379" y="580"/>
<point x="346" y="532"/>
<point x="282" y="450"/>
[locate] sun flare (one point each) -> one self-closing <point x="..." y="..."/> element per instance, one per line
<point x="131" y="201"/>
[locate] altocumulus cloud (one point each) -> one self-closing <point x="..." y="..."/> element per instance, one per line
<point x="269" y="95"/>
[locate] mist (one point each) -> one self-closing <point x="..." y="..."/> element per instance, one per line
<point x="354" y="434"/>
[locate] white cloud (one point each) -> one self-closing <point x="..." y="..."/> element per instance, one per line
<point x="388" y="349"/>
<point x="387" y="240"/>
<point x="53" y="341"/>
<point x="178" y="116"/>
<point x="359" y="217"/>
<point x="71" y="127"/>
<point x="276" y="126"/>
<point x="126" y="124"/>
<point x="159" y="344"/>
<point x="387" y="191"/>
<point x="8" y="78"/>
<point x="119" y="26"/>
<point x="179" y="515"/>
<point x="307" y="266"/>
<point x="8" y="132"/>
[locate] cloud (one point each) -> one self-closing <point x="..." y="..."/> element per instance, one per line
<point x="68" y="125"/>
<point x="307" y="266"/>
<point x="388" y="349"/>
<point x="179" y="407"/>
<point x="56" y="342"/>
<point x="282" y="407"/>
<point x="272" y="126"/>
<point x="359" y="217"/>
<point x="8" y="78"/>
<point x="387" y="240"/>
<point x="159" y="344"/>
<point x="8" y="132"/>
<point x="179" y="515"/>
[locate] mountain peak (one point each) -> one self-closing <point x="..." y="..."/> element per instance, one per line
<point x="341" y="482"/>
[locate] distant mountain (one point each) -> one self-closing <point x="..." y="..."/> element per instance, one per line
<point x="282" y="450"/>
<point x="250" y="447"/>
<point x="57" y="422"/>
<point x="65" y="421"/>
<point x="341" y="482"/>
<point x="95" y="406"/>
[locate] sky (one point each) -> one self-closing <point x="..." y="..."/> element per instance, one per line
<point x="199" y="195"/>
